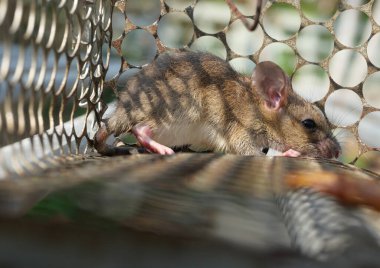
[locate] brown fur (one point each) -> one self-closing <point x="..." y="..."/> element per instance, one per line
<point x="203" y="93"/>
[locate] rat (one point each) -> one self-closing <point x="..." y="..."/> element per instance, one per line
<point x="198" y="99"/>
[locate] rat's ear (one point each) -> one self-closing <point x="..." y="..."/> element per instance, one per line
<point x="272" y="84"/>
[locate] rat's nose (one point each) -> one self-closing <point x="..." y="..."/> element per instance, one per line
<point x="334" y="149"/>
<point x="329" y="148"/>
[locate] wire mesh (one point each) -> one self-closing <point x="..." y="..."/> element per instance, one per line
<point x="54" y="56"/>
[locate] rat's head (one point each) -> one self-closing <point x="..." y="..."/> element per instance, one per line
<point x="293" y="123"/>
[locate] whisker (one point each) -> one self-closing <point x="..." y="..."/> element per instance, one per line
<point x="338" y="118"/>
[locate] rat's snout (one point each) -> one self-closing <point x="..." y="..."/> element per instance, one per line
<point x="337" y="153"/>
<point x="329" y="148"/>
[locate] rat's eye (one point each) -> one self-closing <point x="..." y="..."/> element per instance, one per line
<point x="309" y="124"/>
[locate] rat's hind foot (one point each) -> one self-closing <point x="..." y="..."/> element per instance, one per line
<point x="143" y="134"/>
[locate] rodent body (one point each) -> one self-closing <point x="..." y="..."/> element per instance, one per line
<point x="197" y="99"/>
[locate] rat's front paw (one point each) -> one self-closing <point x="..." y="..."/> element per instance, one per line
<point x="163" y="150"/>
<point x="291" y="153"/>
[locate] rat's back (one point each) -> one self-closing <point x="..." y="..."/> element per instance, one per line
<point x="178" y="74"/>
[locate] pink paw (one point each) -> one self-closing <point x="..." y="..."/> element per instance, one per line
<point x="143" y="135"/>
<point x="161" y="149"/>
<point x="291" y="153"/>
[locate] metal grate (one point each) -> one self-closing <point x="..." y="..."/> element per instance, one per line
<point x="54" y="56"/>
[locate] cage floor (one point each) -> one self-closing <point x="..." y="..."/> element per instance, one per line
<point x="183" y="210"/>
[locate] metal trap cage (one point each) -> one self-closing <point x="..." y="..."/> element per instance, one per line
<point x="62" y="61"/>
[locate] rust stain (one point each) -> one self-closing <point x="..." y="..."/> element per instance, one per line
<point x="349" y="190"/>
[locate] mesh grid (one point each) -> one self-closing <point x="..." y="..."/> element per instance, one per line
<point x="54" y="55"/>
